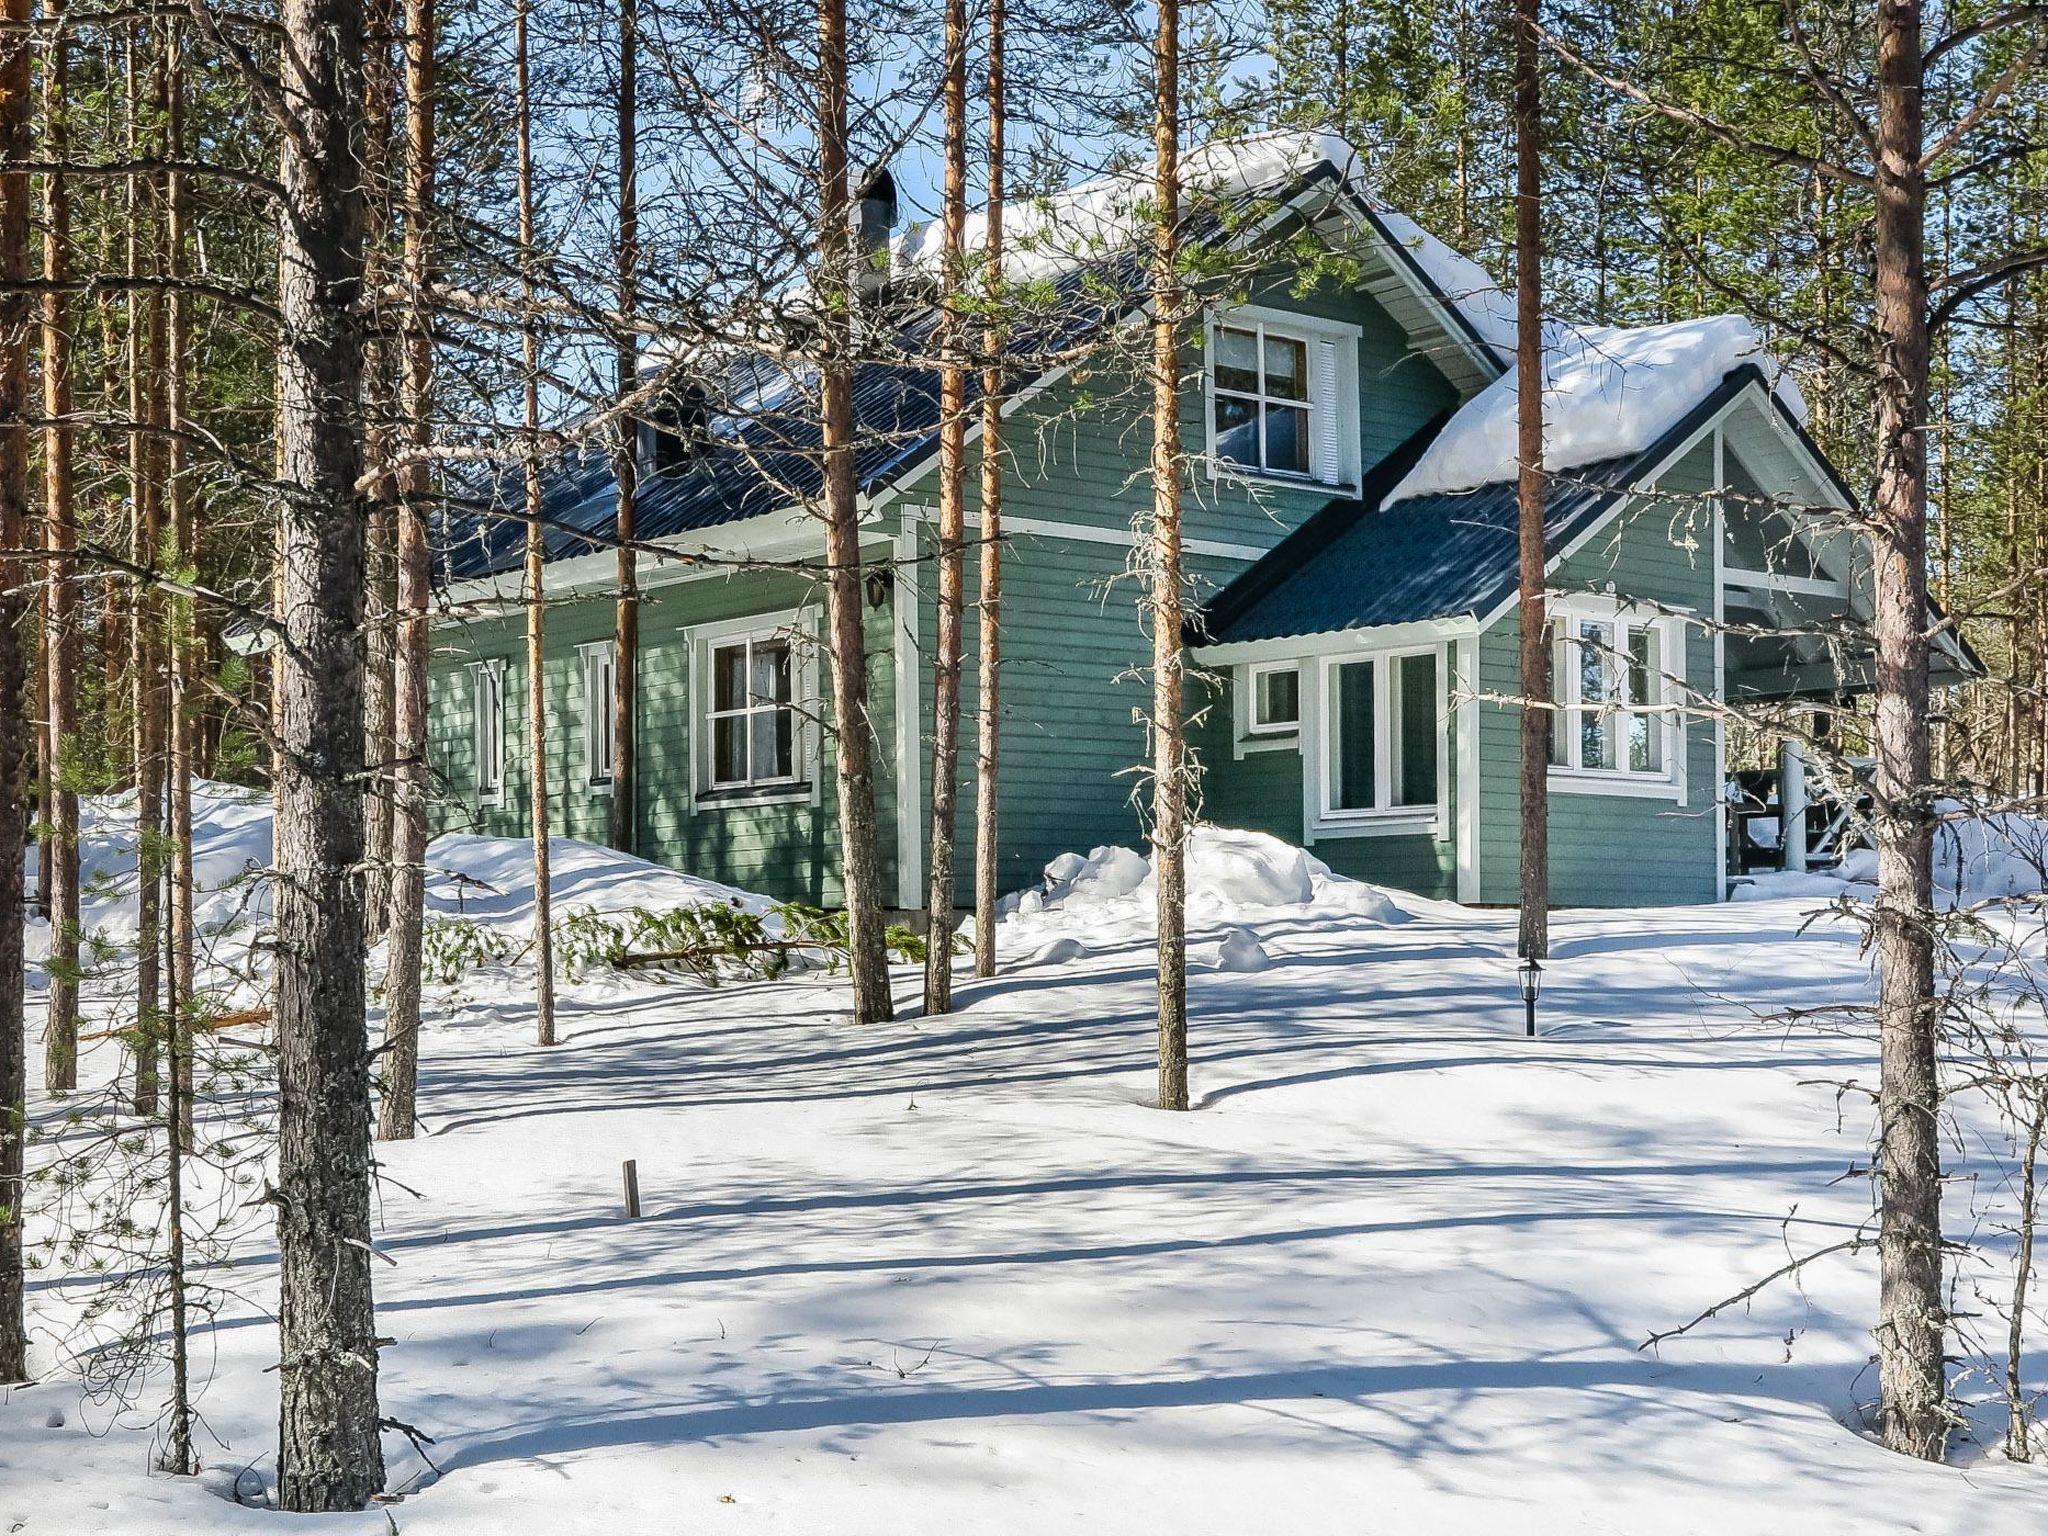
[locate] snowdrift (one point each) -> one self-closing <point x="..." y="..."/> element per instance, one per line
<point x="489" y="880"/>
<point x="486" y="880"/>
<point x="1998" y="857"/>
<point x="1110" y="895"/>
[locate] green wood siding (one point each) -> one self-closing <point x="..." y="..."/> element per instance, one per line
<point x="1612" y="850"/>
<point x="1078" y="449"/>
<point x="788" y="850"/>
<point x="1075" y="646"/>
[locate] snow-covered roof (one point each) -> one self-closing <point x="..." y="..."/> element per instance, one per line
<point x="1052" y="235"/>
<point x="1608" y="392"/>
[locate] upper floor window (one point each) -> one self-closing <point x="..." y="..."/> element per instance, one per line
<point x="1277" y="401"/>
<point x="1614" y="688"/>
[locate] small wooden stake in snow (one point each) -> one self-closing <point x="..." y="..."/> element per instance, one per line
<point x="631" y="1169"/>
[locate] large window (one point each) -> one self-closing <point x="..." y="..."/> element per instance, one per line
<point x="1276" y="402"/>
<point x="487" y="727"/>
<point x="1613" y="687"/>
<point x="1382" y="722"/>
<point x="598" y="712"/>
<point x="752" y="723"/>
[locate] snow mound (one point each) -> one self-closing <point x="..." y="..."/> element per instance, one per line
<point x="1234" y="877"/>
<point x="490" y="880"/>
<point x="2000" y="856"/>
<point x="1241" y="952"/>
<point x="1608" y="392"/>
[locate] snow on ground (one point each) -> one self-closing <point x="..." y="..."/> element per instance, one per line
<point x="954" y="1274"/>
<point x="1997" y="857"/>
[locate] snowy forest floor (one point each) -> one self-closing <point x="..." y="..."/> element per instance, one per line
<point x="954" y="1274"/>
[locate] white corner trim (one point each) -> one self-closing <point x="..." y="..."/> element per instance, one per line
<point x="904" y="617"/>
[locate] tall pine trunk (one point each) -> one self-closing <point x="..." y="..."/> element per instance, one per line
<point x="60" y="533"/>
<point x="1911" y="1317"/>
<point x="1169" y="783"/>
<point x="1536" y="721"/>
<point x="381" y="635"/>
<point x="16" y="711"/>
<point x="179" y="1455"/>
<point x="625" y="460"/>
<point x="853" y="728"/>
<point x="181" y="638"/>
<point x="145" y="638"/>
<point x="989" y="620"/>
<point x="398" y="1109"/>
<point x="328" y="1452"/>
<point x="536" y="557"/>
<point x="952" y="593"/>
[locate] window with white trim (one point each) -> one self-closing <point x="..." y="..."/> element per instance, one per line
<point x="1277" y="405"/>
<point x="1274" y="696"/>
<point x="598" y="713"/>
<point x="487" y="727"/>
<point x="1613" y="673"/>
<point x="752" y="729"/>
<point x="1383" y="736"/>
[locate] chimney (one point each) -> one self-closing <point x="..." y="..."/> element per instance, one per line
<point x="874" y="219"/>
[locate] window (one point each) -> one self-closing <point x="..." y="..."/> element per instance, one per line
<point x="1275" y="700"/>
<point x="598" y="713"/>
<point x="1277" y="405"/>
<point x="751" y="724"/>
<point x="1383" y="736"/>
<point x="487" y="727"/>
<point x="1613" y="694"/>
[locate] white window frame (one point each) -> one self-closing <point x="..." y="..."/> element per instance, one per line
<point x="598" y="661"/>
<point x="1338" y="415"/>
<point x="1382" y="818"/>
<point x="487" y="730"/>
<point x="799" y="630"/>
<point x="1667" y="782"/>
<point x="1253" y="725"/>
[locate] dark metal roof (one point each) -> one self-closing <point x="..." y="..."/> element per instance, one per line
<point x="1359" y="565"/>
<point x="760" y="444"/>
<point x="762" y="449"/>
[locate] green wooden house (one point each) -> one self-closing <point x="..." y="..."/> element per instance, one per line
<point x="1356" y="629"/>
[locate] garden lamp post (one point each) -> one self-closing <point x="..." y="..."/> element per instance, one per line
<point x="1531" y="976"/>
